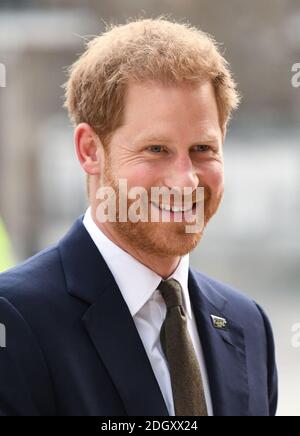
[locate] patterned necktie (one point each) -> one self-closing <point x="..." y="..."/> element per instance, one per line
<point x="187" y="385"/>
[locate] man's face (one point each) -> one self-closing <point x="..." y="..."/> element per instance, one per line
<point x="170" y="137"/>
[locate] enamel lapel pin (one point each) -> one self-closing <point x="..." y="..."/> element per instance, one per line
<point x="219" y="323"/>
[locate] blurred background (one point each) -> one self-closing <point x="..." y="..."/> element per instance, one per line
<point x="253" y="242"/>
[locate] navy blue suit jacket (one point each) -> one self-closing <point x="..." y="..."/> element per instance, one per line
<point x="72" y="347"/>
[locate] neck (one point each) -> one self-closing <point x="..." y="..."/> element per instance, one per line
<point x="164" y="266"/>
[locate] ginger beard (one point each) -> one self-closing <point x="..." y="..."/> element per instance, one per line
<point x="164" y="239"/>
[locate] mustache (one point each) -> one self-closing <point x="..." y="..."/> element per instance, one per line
<point x="177" y="194"/>
<point x="192" y="198"/>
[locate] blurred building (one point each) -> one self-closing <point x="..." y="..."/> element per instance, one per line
<point x="36" y="138"/>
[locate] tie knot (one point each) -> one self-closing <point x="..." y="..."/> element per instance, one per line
<point x="171" y="292"/>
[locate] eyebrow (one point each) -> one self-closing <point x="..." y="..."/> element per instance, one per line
<point x="209" y="138"/>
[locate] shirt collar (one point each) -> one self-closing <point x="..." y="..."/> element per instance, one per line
<point x="136" y="282"/>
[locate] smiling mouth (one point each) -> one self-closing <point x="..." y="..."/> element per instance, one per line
<point x="173" y="209"/>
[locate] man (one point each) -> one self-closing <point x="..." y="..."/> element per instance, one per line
<point x="112" y="320"/>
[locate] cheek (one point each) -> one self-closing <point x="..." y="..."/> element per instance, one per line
<point x="213" y="176"/>
<point x="138" y="176"/>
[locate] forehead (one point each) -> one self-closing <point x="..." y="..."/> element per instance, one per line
<point x="152" y="108"/>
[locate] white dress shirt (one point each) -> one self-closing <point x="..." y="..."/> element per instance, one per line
<point x="138" y="286"/>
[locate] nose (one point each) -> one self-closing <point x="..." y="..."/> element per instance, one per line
<point x="181" y="173"/>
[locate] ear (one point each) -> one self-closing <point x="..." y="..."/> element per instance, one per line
<point x="88" y="148"/>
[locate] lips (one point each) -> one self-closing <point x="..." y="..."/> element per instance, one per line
<point x="174" y="208"/>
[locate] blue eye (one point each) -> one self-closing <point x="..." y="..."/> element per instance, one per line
<point x="202" y="147"/>
<point x="155" y="148"/>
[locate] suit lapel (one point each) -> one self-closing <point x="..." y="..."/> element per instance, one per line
<point x="110" y="325"/>
<point x="224" y="351"/>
